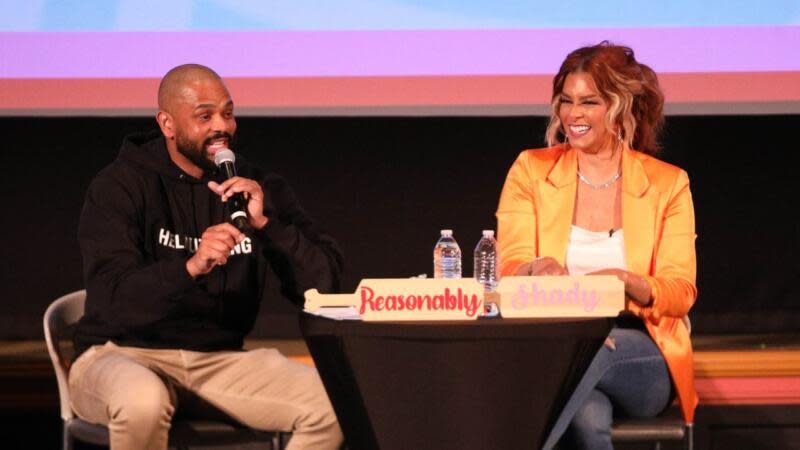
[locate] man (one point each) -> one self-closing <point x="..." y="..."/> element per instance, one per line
<point x="166" y="312"/>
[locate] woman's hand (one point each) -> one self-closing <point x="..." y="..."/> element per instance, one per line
<point x="543" y="265"/>
<point x="636" y="286"/>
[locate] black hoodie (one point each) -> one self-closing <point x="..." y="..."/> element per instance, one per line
<point x="141" y="222"/>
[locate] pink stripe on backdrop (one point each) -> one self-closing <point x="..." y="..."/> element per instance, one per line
<point x="749" y="391"/>
<point x="387" y="53"/>
<point x="337" y="92"/>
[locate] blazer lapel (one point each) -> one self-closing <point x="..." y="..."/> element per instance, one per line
<point x="639" y="206"/>
<point x="557" y="197"/>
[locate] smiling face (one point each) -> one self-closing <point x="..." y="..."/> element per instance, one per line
<point x="198" y="122"/>
<point x="582" y="112"/>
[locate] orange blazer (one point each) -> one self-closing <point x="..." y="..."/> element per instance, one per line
<point x="534" y="219"/>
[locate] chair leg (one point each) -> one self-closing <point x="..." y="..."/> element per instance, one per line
<point x="66" y="438"/>
<point x="276" y="441"/>
<point x="689" y="444"/>
<point x="280" y="439"/>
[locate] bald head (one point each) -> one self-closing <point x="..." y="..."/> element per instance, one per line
<point x="176" y="80"/>
<point x="195" y="116"/>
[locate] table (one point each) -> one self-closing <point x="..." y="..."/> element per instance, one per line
<point x="487" y="384"/>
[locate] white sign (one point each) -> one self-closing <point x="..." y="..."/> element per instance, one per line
<point x="561" y="296"/>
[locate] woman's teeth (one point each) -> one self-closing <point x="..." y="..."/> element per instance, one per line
<point x="579" y="129"/>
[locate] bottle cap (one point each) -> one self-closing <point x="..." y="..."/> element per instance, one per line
<point x="447" y="232"/>
<point x="488" y="233"/>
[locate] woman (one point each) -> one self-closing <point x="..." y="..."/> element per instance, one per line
<point x="598" y="202"/>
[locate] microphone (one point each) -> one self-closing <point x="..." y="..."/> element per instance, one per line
<point x="237" y="207"/>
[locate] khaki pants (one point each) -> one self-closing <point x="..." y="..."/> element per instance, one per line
<point x="135" y="392"/>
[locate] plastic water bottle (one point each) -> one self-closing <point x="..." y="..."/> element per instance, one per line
<point x="446" y="257"/>
<point x="485" y="259"/>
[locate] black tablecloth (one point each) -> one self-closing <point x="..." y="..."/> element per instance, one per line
<point x="487" y="384"/>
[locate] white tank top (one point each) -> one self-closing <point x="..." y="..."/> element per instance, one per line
<point x="589" y="251"/>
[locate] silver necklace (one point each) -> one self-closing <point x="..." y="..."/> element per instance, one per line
<point x="601" y="185"/>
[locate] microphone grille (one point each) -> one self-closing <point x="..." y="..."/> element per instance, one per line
<point x="224" y="155"/>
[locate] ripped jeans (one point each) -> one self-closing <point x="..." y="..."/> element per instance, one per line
<point x="631" y="380"/>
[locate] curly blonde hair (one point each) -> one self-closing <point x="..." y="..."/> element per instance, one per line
<point x="631" y="90"/>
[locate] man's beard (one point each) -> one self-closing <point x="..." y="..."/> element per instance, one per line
<point x="197" y="152"/>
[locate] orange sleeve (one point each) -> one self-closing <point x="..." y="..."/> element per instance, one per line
<point x="673" y="277"/>
<point x="516" y="219"/>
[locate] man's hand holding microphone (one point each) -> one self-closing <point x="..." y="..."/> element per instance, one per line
<point x="246" y="209"/>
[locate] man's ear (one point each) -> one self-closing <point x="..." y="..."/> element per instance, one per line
<point x="166" y="124"/>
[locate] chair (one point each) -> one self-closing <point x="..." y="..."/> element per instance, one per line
<point x="59" y="319"/>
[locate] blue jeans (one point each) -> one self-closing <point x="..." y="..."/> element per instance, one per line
<point x="632" y="379"/>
